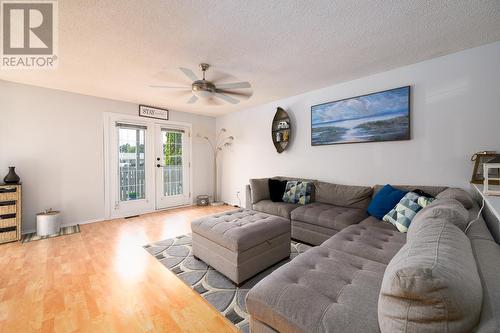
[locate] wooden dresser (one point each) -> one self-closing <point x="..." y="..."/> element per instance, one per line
<point x="10" y="212"/>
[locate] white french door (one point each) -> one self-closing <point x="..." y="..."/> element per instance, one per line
<point x="147" y="165"/>
<point x="172" y="166"/>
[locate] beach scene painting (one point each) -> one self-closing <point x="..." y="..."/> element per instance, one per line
<point x="382" y="116"/>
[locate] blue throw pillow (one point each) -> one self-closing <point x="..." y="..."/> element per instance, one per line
<point x="384" y="201"/>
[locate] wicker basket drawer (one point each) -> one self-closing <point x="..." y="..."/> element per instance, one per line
<point x="8" y="196"/>
<point x="8" y="209"/>
<point x="8" y="236"/>
<point x="4" y="223"/>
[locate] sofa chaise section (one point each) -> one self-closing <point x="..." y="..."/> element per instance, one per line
<point x="325" y="288"/>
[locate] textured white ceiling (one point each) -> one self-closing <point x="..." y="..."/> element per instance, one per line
<point x="116" y="49"/>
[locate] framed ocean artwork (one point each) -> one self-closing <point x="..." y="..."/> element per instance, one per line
<point x="381" y="116"/>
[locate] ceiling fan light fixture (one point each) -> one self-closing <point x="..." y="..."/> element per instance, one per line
<point x="203" y="88"/>
<point x="211" y="91"/>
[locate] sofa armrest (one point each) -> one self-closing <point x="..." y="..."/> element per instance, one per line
<point x="248" y="197"/>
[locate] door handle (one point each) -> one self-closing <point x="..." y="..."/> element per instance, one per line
<point x="158" y="165"/>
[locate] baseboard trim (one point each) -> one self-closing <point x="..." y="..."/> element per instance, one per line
<point x="102" y="219"/>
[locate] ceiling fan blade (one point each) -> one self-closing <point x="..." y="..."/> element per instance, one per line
<point x="227" y="98"/>
<point x="234" y="85"/>
<point x="193" y="99"/>
<point x="244" y="95"/>
<point x="216" y="76"/>
<point x="189" y="73"/>
<point x="211" y="101"/>
<point x="169" y="87"/>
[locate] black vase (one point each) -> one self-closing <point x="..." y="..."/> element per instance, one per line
<point x="12" y="176"/>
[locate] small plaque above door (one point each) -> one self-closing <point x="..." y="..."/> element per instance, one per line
<point x="152" y="112"/>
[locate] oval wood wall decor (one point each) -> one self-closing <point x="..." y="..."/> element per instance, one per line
<point x="281" y="130"/>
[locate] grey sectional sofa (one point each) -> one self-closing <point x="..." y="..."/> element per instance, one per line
<point x="368" y="277"/>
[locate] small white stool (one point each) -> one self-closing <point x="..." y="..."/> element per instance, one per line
<point x="47" y="223"/>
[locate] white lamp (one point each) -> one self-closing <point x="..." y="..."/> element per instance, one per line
<point x="217" y="146"/>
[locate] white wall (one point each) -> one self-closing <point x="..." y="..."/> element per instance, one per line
<point x="55" y="140"/>
<point x="455" y="111"/>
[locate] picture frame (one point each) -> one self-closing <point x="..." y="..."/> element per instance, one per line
<point x="479" y="159"/>
<point x="153" y="112"/>
<point x="374" y="117"/>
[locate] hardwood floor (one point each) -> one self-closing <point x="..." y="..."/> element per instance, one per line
<point x="102" y="280"/>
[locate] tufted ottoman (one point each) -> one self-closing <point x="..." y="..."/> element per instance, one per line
<point x="241" y="243"/>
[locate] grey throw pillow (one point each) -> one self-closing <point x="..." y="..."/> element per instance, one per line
<point x="449" y="210"/>
<point x="431" y="284"/>
<point x="260" y="189"/>
<point x="458" y="194"/>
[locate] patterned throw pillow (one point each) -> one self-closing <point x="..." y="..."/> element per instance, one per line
<point x="404" y="212"/>
<point x="298" y="192"/>
<point x="425" y="201"/>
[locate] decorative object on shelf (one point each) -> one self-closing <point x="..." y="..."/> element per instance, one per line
<point x="202" y="200"/>
<point x="152" y="112"/>
<point x="48" y="223"/>
<point x="381" y="116"/>
<point x="280" y="130"/>
<point x="491" y="172"/>
<point x="221" y="141"/>
<point x="10" y="212"/>
<point x="12" y="177"/>
<point x="479" y="159"/>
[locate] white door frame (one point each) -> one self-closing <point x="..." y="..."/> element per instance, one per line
<point x="110" y="118"/>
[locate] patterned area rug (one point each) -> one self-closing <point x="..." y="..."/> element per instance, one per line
<point x="64" y="231"/>
<point x="176" y="255"/>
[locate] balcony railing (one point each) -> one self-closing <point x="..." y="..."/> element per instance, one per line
<point x="132" y="182"/>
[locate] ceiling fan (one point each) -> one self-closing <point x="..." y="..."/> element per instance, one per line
<point x="210" y="91"/>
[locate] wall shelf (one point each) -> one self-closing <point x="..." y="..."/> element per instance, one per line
<point x="281" y="130"/>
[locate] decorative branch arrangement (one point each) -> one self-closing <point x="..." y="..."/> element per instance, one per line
<point x="221" y="141"/>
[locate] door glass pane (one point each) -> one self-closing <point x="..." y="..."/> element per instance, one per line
<point x="172" y="171"/>
<point x="131" y="163"/>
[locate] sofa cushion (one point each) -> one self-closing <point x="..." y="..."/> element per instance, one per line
<point x="458" y="194"/>
<point x="260" y="189"/>
<point x="322" y="290"/>
<point x="431" y="284"/>
<point x="431" y="190"/>
<point x="343" y="195"/>
<point x="297" y="191"/>
<point x="276" y="189"/>
<point x="440" y="209"/>
<point x="282" y="209"/>
<point x="368" y="240"/>
<point x="241" y="229"/>
<point x="328" y="216"/>
<point x="384" y="201"/>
